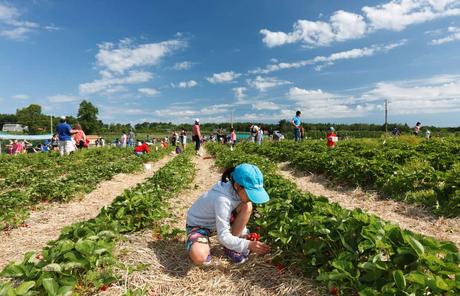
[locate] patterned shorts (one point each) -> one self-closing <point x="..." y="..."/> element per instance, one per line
<point x="201" y="234"/>
<point x="197" y="234"/>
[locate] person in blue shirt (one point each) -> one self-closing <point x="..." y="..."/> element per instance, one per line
<point x="296" y="123"/>
<point x="64" y="131"/>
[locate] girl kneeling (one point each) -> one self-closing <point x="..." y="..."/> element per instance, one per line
<point x="225" y="210"/>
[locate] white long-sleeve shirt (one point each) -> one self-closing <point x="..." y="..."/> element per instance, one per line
<point x="213" y="209"/>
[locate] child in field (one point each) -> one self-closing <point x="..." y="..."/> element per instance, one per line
<point x="232" y="138"/>
<point x="331" y="138"/>
<point x="417" y="128"/>
<point x="225" y="210"/>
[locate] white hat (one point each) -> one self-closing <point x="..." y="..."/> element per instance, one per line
<point x="63" y="117"/>
<point x="197" y="120"/>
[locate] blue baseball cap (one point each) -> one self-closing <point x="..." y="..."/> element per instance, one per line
<point x="251" y="179"/>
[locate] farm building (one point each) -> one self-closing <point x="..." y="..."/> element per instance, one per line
<point x="14" y="127"/>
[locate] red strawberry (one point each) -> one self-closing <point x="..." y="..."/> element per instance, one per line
<point x="39" y="257"/>
<point x="103" y="288"/>
<point x="279" y="267"/>
<point x="253" y="236"/>
<point x="334" y="291"/>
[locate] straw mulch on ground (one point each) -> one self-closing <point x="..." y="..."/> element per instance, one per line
<point x="46" y="224"/>
<point x="165" y="269"/>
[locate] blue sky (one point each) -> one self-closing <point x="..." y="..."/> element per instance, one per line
<point x="337" y="61"/>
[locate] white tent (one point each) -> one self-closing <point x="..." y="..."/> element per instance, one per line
<point x="25" y="137"/>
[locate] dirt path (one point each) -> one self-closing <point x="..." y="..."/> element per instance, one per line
<point x="46" y="224"/>
<point x="170" y="272"/>
<point x="407" y="216"/>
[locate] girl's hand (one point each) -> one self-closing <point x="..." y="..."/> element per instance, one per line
<point x="258" y="247"/>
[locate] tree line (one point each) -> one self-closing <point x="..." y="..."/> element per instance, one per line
<point x="87" y="116"/>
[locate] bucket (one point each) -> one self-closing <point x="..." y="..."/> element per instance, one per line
<point x="147" y="166"/>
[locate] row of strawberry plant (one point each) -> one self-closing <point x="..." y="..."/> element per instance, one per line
<point x="50" y="178"/>
<point x="425" y="173"/>
<point x="350" y="251"/>
<point x="80" y="260"/>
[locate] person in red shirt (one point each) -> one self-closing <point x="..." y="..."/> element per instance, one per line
<point x="331" y="138"/>
<point x="143" y="148"/>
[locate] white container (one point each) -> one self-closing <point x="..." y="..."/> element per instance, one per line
<point x="335" y="139"/>
<point x="147" y="166"/>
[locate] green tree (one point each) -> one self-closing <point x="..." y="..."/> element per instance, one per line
<point x="32" y="117"/>
<point x="87" y="116"/>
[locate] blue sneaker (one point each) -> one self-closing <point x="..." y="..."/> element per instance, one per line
<point x="235" y="257"/>
<point x="208" y="260"/>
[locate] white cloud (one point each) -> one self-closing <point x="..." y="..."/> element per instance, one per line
<point x="110" y="112"/>
<point x="320" y="104"/>
<point x="395" y="15"/>
<point x="398" y="14"/>
<point x="239" y="93"/>
<point x="21" y="97"/>
<point x="265" y="106"/>
<point x="437" y="94"/>
<point x="12" y="27"/>
<point x="453" y="36"/>
<point x="342" y="26"/>
<point x="126" y="55"/>
<point x="123" y="64"/>
<point x="189" y="111"/>
<point x="264" y="83"/>
<point x="64" y="98"/>
<point x="223" y="77"/>
<point x="18" y="33"/>
<point x="182" y="65"/>
<point x="185" y="84"/>
<point x="329" y="60"/>
<point x="150" y="92"/>
<point x="105" y="84"/>
<point x="432" y="95"/>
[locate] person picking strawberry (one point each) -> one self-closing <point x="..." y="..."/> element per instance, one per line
<point x="224" y="211"/>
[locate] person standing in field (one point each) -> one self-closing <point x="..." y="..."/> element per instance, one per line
<point x="196" y="136"/>
<point x="64" y="131"/>
<point x="417" y="128"/>
<point x="331" y="138"/>
<point x="55" y="142"/>
<point x="124" y="140"/>
<point x="79" y="136"/>
<point x="183" y="139"/>
<point x="253" y="131"/>
<point x="131" y="138"/>
<point x="260" y="135"/>
<point x="232" y="138"/>
<point x="296" y="124"/>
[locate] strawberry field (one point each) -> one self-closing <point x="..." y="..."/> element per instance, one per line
<point x="349" y="251"/>
<point x="346" y="252"/>
<point x="426" y="172"/>
<point x="81" y="259"/>
<point x="29" y="179"/>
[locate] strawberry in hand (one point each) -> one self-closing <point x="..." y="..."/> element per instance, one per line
<point x="253" y="236"/>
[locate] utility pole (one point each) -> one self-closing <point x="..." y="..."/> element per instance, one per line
<point x="386" y="116"/>
<point x="51" y="124"/>
<point x="232" y="118"/>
